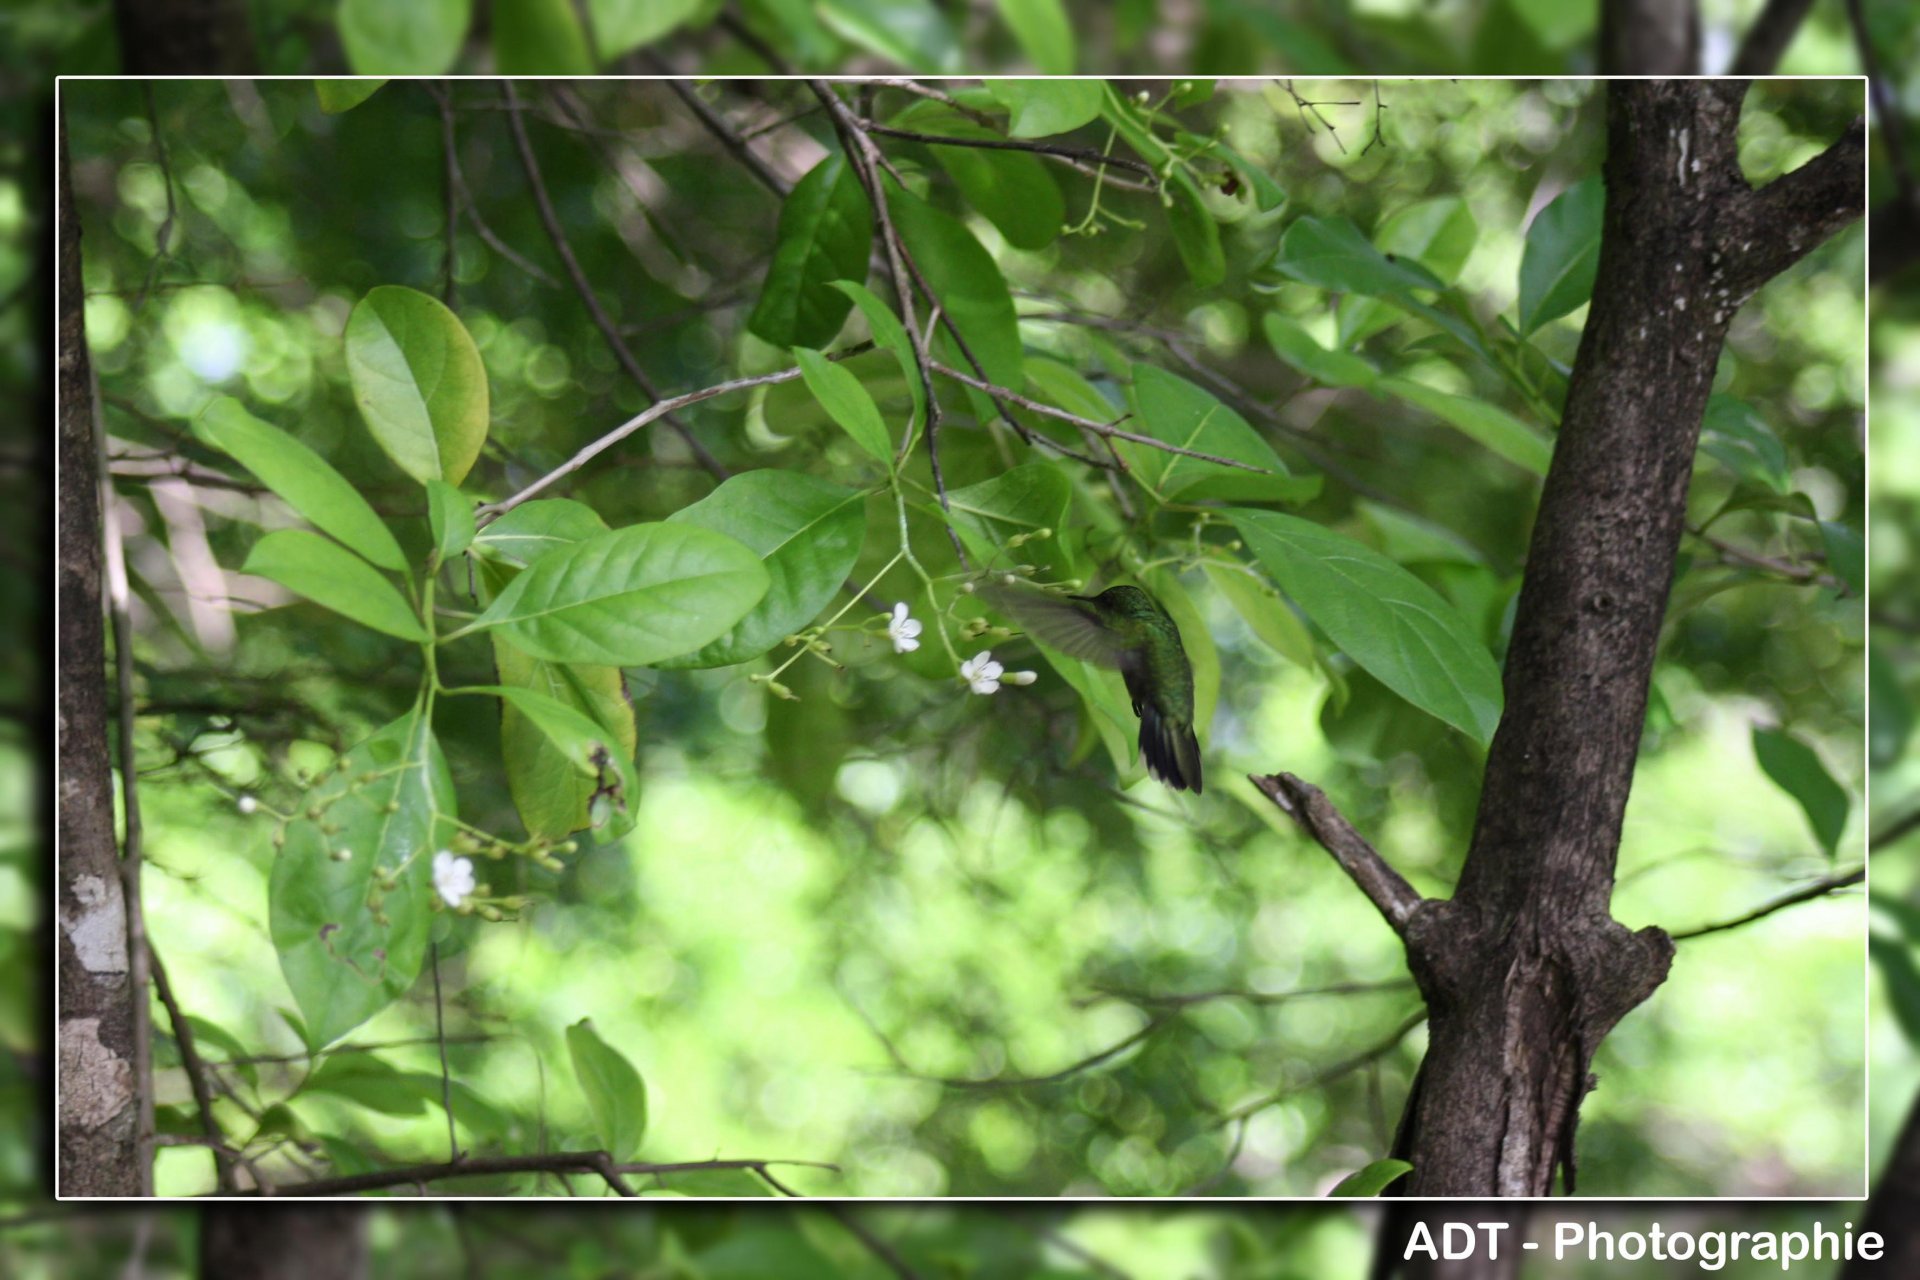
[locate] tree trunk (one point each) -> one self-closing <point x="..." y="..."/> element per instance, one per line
<point x="1649" y="37"/>
<point x="1524" y="970"/>
<point x="99" y="1113"/>
<point x="185" y="37"/>
<point x="1894" y="1211"/>
<point x="260" y="1242"/>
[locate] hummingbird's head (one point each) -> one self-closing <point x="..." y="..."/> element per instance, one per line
<point x="1127" y="602"/>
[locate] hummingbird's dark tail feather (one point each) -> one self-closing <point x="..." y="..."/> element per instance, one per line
<point x="1172" y="752"/>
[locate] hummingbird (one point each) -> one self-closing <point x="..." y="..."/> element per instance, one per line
<point x="1128" y="630"/>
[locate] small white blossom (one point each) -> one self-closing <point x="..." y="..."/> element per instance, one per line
<point x="981" y="672"/>
<point x="452" y="877"/>
<point x="904" y="631"/>
<point x="1018" y="677"/>
<point x="246" y="804"/>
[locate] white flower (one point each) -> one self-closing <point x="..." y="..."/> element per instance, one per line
<point x="452" y="877"/>
<point x="903" y="630"/>
<point x="1018" y="677"/>
<point x="246" y="804"/>
<point x="981" y="672"/>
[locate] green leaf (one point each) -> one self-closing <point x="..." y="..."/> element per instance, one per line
<point x="1479" y="421"/>
<point x="967" y="282"/>
<point x="333" y="578"/>
<point x="418" y="381"/>
<point x="621" y="26"/>
<point x="1846" y="554"/>
<point x="1331" y="253"/>
<point x="1298" y="348"/>
<point x="1902" y="977"/>
<point x="1023" y="499"/>
<point x="1043" y="108"/>
<point x="1385" y="619"/>
<point x="301" y="477"/>
<point x="1797" y="770"/>
<point x="910" y="33"/>
<point x="825" y="230"/>
<point x="539" y="37"/>
<point x="1067" y="389"/>
<point x="630" y="597"/>
<point x="1562" y="255"/>
<point x="1889" y="713"/>
<point x="1737" y="437"/>
<point x="419" y="38"/>
<point x="1011" y="189"/>
<point x="389" y="807"/>
<point x="603" y="758"/>
<point x="846" y="402"/>
<point x="807" y="532"/>
<point x="1177" y="411"/>
<point x="1044" y="33"/>
<point x="1439" y="234"/>
<point x="889" y="334"/>
<point x="1196" y="236"/>
<point x="616" y="1095"/>
<point x="450" y="518"/>
<point x="1264" y="612"/>
<point x="337" y="96"/>
<point x="1372" y="1180"/>
<point x="532" y="529"/>
<point x="552" y="796"/>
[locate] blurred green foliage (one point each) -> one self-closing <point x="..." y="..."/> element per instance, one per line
<point x="886" y="925"/>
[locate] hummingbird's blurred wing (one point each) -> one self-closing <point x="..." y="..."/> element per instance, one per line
<point x="1060" y="622"/>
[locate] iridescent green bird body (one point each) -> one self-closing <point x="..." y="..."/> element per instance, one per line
<point x="1126" y="629"/>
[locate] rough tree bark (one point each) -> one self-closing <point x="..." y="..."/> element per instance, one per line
<point x="309" y="1242"/>
<point x="185" y="37"/>
<point x="1649" y="37"/>
<point x="99" y="1113"/>
<point x="1524" y="970"/>
<point x="1894" y="1210"/>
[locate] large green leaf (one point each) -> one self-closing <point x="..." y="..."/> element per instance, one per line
<point x="615" y="1093"/>
<point x="334" y="578"/>
<point x="532" y="529"/>
<point x="1011" y="189"/>
<point x="449" y="519"/>
<point x="1331" y="253"/>
<point x="1487" y="424"/>
<point x="621" y="26"/>
<point x="1180" y="413"/>
<point x="302" y="477"/>
<point x="418" y="380"/>
<point x="1797" y="770"/>
<point x="846" y="402"/>
<point x="1043" y="108"/>
<point x="1381" y="616"/>
<point x="630" y="597"/>
<point x="967" y="282"/>
<point x="1044" y="33"/>
<point x="1264" y="612"/>
<point x="388" y="809"/>
<point x="825" y="231"/>
<point x="1562" y="255"/>
<point x="807" y="532"/>
<point x="1196" y="235"/>
<point x="1022" y="499"/>
<point x="1439" y="234"/>
<point x="913" y="34"/>
<point x="539" y="37"/>
<point x="419" y="38"/>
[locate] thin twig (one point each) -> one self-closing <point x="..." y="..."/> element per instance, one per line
<point x="1081" y="155"/>
<point x="550" y="219"/>
<point x="440" y="1034"/>
<point x="874" y="1244"/>
<point x="196" y="1070"/>
<point x="1818" y="889"/>
<point x="730" y="138"/>
<point x="561" y="1162"/>
<point x="1328" y="1075"/>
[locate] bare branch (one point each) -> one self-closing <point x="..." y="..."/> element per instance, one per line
<point x="196" y="1069"/>
<point x="1767" y="39"/>
<point x="1818" y="889"/>
<point x="730" y="138"/>
<point x="1327" y="1075"/>
<point x="1080" y="155"/>
<point x="1307" y="805"/>
<point x="560" y="1162"/>
<point x="874" y="1244"/>
<point x="1775" y="226"/>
